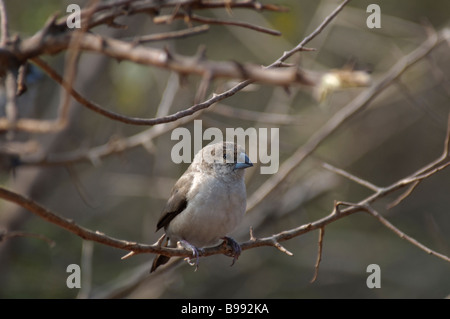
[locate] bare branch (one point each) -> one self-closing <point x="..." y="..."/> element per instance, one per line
<point x="192" y="17"/>
<point x="55" y="38"/>
<point x="13" y="234"/>
<point x="282" y="249"/>
<point x="273" y="240"/>
<point x="132" y="7"/>
<point x="171" y="35"/>
<point x="404" y="195"/>
<point x="316" y="32"/>
<point x="21" y="85"/>
<point x="89" y="104"/>
<point x="350" y="177"/>
<point x="122" y="50"/>
<point x="4" y="36"/>
<point x="319" y="254"/>
<point x="342" y="116"/>
<point x="31" y="125"/>
<point x="71" y="62"/>
<point x="11" y="105"/>
<point x="402" y="235"/>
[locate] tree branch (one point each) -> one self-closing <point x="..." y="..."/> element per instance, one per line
<point x="196" y="18"/>
<point x="4" y="35"/>
<point x="343" y="115"/>
<point x="274" y="240"/>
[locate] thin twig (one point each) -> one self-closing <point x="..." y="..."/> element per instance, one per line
<point x="187" y="112"/>
<point x="319" y="254"/>
<point x="402" y="235"/>
<point x="32" y="47"/>
<point x="193" y="17"/>
<point x="84" y="101"/>
<point x="179" y="34"/>
<point x="72" y="57"/>
<point x="31" y="125"/>
<point x="80" y="187"/>
<point x="131" y="7"/>
<point x="21" y="79"/>
<point x="404" y="195"/>
<point x="351" y="177"/>
<point x="273" y="240"/>
<point x="342" y="116"/>
<point x="282" y="76"/>
<point x="316" y="32"/>
<point x="4" y="35"/>
<point x="13" y="234"/>
<point x="12" y="113"/>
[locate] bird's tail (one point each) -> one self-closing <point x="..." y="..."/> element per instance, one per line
<point x="159" y="259"/>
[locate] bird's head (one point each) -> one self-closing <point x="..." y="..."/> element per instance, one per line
<point x="223" y="158"/>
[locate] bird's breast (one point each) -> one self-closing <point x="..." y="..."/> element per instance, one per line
<point x="214" y="209"/>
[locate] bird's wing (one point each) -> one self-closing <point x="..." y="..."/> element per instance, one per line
<point x="177" y="202"/>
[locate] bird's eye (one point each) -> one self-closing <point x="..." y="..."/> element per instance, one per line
<point x="224" y="156"/>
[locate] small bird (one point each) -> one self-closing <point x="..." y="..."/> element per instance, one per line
<point x="207" y="202"/>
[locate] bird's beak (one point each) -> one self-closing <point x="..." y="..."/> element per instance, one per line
<point x="243" y="162"/>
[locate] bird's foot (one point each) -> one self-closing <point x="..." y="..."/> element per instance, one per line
<point x="235" y="248"/>
<point x="195" y="253"/>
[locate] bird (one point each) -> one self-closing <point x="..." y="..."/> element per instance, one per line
<point x="207" y="202"/>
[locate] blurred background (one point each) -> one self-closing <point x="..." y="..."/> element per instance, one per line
<point x="122" y="194"/>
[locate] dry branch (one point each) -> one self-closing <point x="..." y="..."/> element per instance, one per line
<point x="122" y="50"/>
<point x="196" y="18"/>
<point x="54" y="38"/>
<point x="345" y="114"/>
<point x="101" y="151"/>
<point x="171" y="35"/>
<point x="106" y="13"/>
<point x="274" y="241"/>
<point x="319" y="254"/>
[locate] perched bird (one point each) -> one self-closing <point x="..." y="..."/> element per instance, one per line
<point x="207" y="202"/>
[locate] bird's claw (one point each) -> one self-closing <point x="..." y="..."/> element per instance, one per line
<point x="235" y="248"/>
<point x="195" y="253"/>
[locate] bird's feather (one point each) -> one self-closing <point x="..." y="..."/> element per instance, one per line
<point x="177" y="201"/>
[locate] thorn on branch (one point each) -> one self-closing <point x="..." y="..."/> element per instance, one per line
<point x="94" y="159"/>
<point x="252" y="237"/>
<point x="160" y="240"/>
<point x="131" y="253"/>
<point x="277" y="245"/>
<point x="337" y="210"/>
